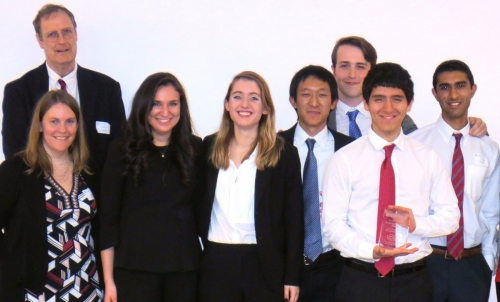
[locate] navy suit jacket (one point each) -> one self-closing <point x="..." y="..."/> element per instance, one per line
<point x="279" y="214"/>
<point x="100" y="100"/>
<point x="340" y="139"/>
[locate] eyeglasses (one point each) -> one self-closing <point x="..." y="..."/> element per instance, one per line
<point x="67" y="33"/>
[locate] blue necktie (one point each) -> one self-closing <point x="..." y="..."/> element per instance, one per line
<point x="313" y="245"/>
<point x="353" y="127"/>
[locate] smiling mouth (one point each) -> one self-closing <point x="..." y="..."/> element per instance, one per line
<point x="163" y="120"/>
<point x="61" y="138"/>
<point x="454" y="104"/>
<point x="244" y="113"/>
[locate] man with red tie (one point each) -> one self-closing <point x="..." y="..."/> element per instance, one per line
<point x="386" y="172"/>
<point x="99" y="96"/>
<point x="462" y="263"/>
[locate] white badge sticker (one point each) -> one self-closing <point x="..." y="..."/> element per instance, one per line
<point x="103" y="127"/>
<point x="479" y="159"/>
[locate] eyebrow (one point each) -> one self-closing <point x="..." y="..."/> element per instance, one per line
<point x="357" y="63"/>
<point x="384" y="96"/>
<point x="242" y="93"/>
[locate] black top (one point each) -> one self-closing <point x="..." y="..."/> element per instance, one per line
<point x="152" y="224"/>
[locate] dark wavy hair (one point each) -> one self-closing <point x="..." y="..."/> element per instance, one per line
<point x="138" y="132"/>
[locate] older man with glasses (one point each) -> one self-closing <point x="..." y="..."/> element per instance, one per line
<point x="99" y="96"/>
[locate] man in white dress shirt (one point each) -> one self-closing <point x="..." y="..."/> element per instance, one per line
<point x="468" y="277"/>
<point x="355" y="183"/>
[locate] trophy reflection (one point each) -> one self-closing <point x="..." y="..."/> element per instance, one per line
<point x="392" y="233"/>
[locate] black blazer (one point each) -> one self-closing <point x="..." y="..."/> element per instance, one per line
<point x="151" y="225"/>
<point x="279" y="214"/>
<point x="340" y="139"/>
<point x="408" y="124"/>
<point x="23" y="215"/>
<point x="100" y="100"/>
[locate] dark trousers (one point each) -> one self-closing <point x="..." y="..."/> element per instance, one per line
<point x="360" y="286"/>
<point x="233" y="273"/>
<point x="468" y="279"/>
<point x="319" y="280"/>
<point x="139" y="286"/>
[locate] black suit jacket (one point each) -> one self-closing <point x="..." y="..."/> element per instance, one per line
<point x="100" y="100"/>
<point x="23" y="215"/>
<point x="340" y="139"/>
<point x="408" y="124"/>
<point x="279" y="215"/>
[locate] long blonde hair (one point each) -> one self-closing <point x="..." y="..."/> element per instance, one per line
<point x="269" y="145"/>
<point x="35" y="155"/>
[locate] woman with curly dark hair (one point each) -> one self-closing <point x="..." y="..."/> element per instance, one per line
<point x="150" y="247"/>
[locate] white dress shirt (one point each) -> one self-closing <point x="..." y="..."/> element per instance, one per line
<point x="69" y="79"/>
<point x="351" y="191"/>
<point x="232" y="220"/>
<point x="482" y="183"/>
<point x="363" y="119"/>
<point x="323" y="150"/>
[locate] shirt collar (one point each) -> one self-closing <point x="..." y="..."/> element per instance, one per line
<point x="379" y="143"/>
<point x="342" y="109"/>
<point x="53" y="75"/>
<point x="447" y="131"/>
<point x="301" y="136"/>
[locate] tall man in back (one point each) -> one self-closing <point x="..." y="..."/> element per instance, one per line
<point x="352" y="58"/>
<point x="313" y="94"/>
<point x="99" y="96"/>
<point x="461" y="264"/>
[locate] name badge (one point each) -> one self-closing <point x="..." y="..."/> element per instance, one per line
<point x="103" y="127"/>
<point x="479" y="159"/>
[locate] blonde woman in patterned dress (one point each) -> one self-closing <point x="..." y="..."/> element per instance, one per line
<point x="46" y="205"/>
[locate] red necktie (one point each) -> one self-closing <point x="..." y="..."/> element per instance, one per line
<point x="387" y="197"/>
<point x="456" y="240"/>
<point x="63" y="84"/>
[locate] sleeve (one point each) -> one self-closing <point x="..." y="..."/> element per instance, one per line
<point x="112" y="186"/>
<point x="337" y="187"/>
<point x="490" y="208"/>
<point x="16" y="121"/>
<point x="10" y="174"/>
<point x="294" y="218"/>
<point x="118" y="119"/>
<point x="444" y="210"/>
<point x="408" y="125"/>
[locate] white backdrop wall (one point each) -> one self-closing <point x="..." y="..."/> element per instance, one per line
<point x="205" y="43"/>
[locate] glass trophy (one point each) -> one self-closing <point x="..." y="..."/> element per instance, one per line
<point x="392" y="233"/>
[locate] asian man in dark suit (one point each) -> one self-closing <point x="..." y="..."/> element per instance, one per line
<point x="98" y="95"/>
<point x="313" y="93"/>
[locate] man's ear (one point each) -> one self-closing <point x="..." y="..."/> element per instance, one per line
<point x="292" y="102"/>
<point x="408" y="109"/>
<point x="334" y="104"/>
<point x="39" y="40"/>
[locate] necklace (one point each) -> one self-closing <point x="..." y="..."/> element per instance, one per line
<point x="164" y="150"/>
<point x="65" y="174"/>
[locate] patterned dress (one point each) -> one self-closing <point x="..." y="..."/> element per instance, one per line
<point x="72" y="270"/>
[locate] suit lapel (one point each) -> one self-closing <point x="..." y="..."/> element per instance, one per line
<point x="88" y="98"/>
<point x="262" y="180"/>
<point x="39" y="84"/>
